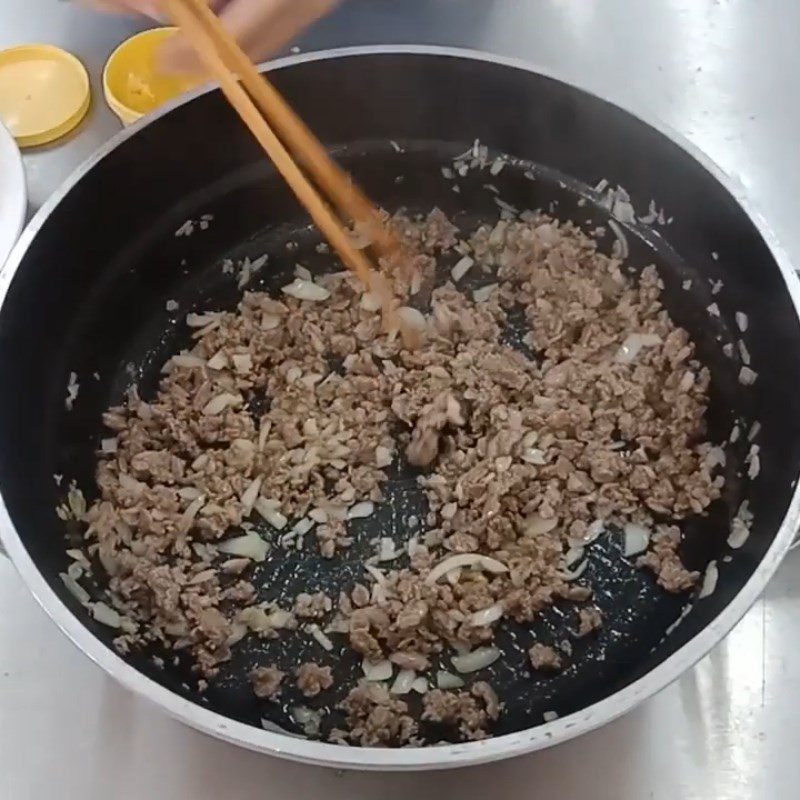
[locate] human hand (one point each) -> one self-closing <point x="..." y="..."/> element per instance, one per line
<point x="262" y="27"/>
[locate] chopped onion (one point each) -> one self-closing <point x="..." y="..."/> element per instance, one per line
<point x="308" y="719"/>
<point x="302" y="527"/>
<point x="744" y="353"/>
<point x="573" y="575"/>
<point x="715" y="458"/>
<point x="383" y="456"/>
<point x="379" y="577"/>
<point x="105" y="615"/>
<point x="483" y="294"/>
<point x="709" y="580"/>
<point x="251" y="495"/>
<point x="550" y="716"/>
<point x="747" y="376"/>
<point x="636" y="539"/>
<point x="620" y="248"/>
<point x="740" y="532"/>
<point x="497" y="166"/>
<point x="594" y="530"/>
<point x="251" y="545"/>
<point x="306" y="290"/>
<point x="412" y="326"/>
<point x="75" y="589"/>
<point x="303" y="273"/>
<point x="420" y="686"/>
<point x="317" y="633"/>
<point x="755" y="429"/>
<point x="242" y="362"/>
<point x="534" y="525"/>
<point x="219" y="403"/>
<point x="446" y="680"/>
<point x="713" y="310"/>
<point x="486" y="616"/>
<point x="535" y="456"/>
<point x="361" y="510"/>
<point x="218" y="361"/>
<point x="461" y="268"/>
<point x="109" y="445"/>
<point x="188" y="516"/>
<point x="370" y="301"/>
<point x="202" y="320"/>
<point x="187" y="361"/>
<point x="633" y="344"/>
<point x="573" y="556"/>
<point x="269" y="511"/>
<point x="479" y="658"/>
<point x="382" y="671"/>
<point x="403" y="682"/>
<point x="386" y="551"/>
<point x="742" y="320"/>
<point x="464" y="560"/>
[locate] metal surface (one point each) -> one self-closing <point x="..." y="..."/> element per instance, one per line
<point x="728" y="725"/>
<point x="13" y="195"/>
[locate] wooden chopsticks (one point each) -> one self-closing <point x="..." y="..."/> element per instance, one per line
<point x="269" y="117"/>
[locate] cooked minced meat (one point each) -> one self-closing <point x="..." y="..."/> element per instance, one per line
<point x="313" y="679"/>
<point x="544" y="657"/>
<point x="517" y="456"/>
<point x="266" y="681"/>
<point x="589" y="619"/>
<point x="375" y="718"/>
<point x="312" y="606"/>
<point x="468" y="711"/>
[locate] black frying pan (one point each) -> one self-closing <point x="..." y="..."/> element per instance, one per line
<point x="88" y="295"/>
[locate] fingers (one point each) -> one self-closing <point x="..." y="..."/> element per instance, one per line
<point x="147" y="8"/>
<point x="262" y="27"/>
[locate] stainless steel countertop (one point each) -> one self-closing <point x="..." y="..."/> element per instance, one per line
<point x="725" y="73"/>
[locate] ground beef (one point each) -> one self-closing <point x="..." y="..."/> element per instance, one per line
<point x="468" y="711"/>
<point x="266" y="681"/>
<point x="544" y="657"/>
<point x="375" y="718"/>
<point x="589" y="619"/>
<point x="520" y="444"/>
<point x="313" y="679"/>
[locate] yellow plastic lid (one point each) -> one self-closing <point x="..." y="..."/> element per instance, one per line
<point x="132" y="82"/>
<point x="44" y="93"/>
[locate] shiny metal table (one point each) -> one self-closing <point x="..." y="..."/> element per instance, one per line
<point x="726" y="73"/>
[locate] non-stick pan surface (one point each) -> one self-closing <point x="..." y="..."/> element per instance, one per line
<point x="91" y="295"/>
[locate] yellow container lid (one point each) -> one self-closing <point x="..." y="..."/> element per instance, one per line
<point x="132" y="83"/>
<point x="44" y="93"/>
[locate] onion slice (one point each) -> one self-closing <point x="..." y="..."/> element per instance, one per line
<point x="382" y="671"/>
<point x="480" y="658"/>
<point x="464" y="560"/>
<point x="486" y="616"/>
<point x="636" y="539"/>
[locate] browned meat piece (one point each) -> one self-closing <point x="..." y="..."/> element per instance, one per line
<point x="313" y="679"/>
<point x="664" y="560"/>
<point x="589" y="619"/>
<point x="544" y="657"/>
<point x="376" y="719"/>
<point x="266" y="681"/>
<point x="469" y="711"/>
<point x="312" y="606"/>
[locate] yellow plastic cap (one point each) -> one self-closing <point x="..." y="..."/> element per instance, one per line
<point x="132" y="83"/>
<point x="44" y="93"/>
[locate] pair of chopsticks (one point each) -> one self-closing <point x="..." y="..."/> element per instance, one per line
<point x="284" y="137"/>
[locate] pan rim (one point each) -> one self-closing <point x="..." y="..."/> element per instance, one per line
<point x="408" y="759"/>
